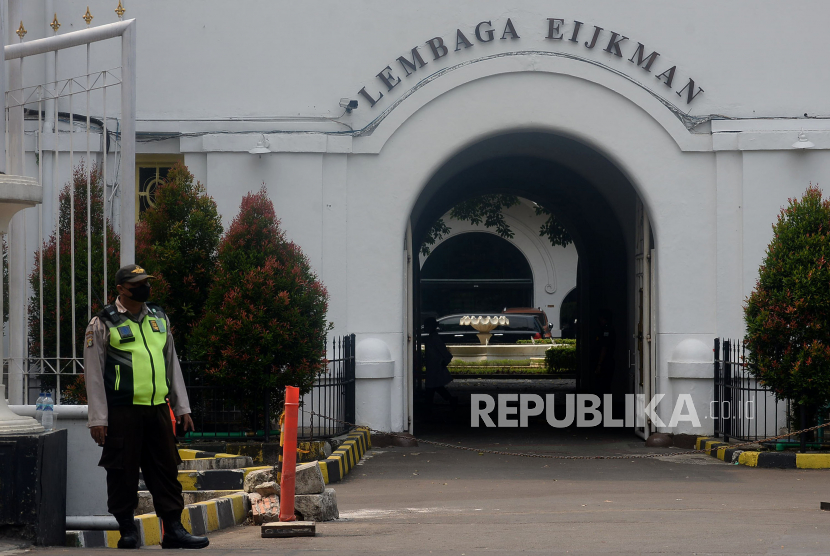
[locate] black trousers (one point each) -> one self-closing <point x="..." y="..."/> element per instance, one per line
<point x="141" y="436"/>
<point x="441" y="391"/>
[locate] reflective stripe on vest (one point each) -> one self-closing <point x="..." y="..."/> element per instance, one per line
<point x="135" y="372"/>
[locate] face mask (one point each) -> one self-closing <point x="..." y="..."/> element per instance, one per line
<point x="140" y="293"/>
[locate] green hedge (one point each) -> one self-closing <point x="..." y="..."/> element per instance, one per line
<point x="492" y="363"/>
<point x="527" y="342"/>
<point x="561" y="359"/>
<point x="493" y="370"/>
<point x="556" y="341"/>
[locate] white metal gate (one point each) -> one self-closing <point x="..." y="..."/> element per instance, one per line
<point x="79" y="114"/>
<point x="645" y="340"/>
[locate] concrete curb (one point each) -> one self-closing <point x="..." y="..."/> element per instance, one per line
<point x="216" y="479"/>
<point x="345" y="457"/>
<point x="769" y="460"/>
<point x="260" y="452"/>
<point x="195" y="460"/>
<point x="145" y="499"/>
<point x="200" y="518"/>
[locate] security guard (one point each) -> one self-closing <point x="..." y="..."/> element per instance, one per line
<point x="131" y="369"/>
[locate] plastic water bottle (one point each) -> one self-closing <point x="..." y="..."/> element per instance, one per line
<point x="39" y="408"/>
<point x="48" y="420"/>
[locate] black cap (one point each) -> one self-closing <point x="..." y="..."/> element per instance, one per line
<point x="131" y="273"/>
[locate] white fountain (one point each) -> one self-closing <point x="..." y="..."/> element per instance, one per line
<point x="484" y="324"/>
<point x="12" y="423"/>
<point x="16" y="194"/>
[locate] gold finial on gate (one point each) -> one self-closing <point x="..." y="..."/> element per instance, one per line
<point x="120" y="10"/>
<point x="88" y="16"/>
<point x="55" y="25"/>
<point x="21" y="31"/>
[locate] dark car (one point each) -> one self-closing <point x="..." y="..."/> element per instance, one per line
<point x="518" y="327"/>
<point x="540" y="315"/>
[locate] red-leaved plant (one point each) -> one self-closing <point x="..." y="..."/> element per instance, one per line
<point x="265" y="317"/>
<point x="788" y="313"/>
<point x="176" y="241"/>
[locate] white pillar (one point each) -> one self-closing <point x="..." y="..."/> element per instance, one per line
<point x="374" y="371"/>
<point x="17" y="250"/>
<point x="127" y="177"/>
<point x="730" y="295"/>
<point x="3" y="170"/>
<point x="690" y="372"/>
<point x="49" y="127"/>
<point x="3" y="26"/>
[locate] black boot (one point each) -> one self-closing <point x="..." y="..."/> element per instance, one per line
<point x="129" y="532"/>
<point x="176" y="536"/>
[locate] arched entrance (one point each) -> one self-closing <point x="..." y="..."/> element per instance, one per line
<point x="625" y="149"/>
<point x="599" y="208"/>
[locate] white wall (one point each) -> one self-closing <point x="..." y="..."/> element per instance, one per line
<point x="222" y="75"/>
<point x="286" y="58"/>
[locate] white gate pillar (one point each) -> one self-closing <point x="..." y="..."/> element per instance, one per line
<point x="127" y="178"/>
<point x="374" y="371"/>
<point x="16" y="241"/>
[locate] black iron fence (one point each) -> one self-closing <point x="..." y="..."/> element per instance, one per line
<point x="743" y="408"/>
<point x="333" y="394"/>
<point x="217" y="413"/>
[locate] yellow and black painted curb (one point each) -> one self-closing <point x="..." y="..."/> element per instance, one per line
<point x="200" y="518"/>
<point x="345" y="457"/>
<point x="195" y="460"/>
<point x="751" y="458"/>
<point x="261" y="453"/>
<point x="216" y="479"/>
<point x="187" y="453"/>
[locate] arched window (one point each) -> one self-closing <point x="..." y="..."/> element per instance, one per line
<point x="475" y="272"/>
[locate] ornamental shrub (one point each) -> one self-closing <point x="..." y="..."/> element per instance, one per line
<point x="75" y="390"/>
<point x="265" y="318"/>
<point x="176" y="241"/>
<point x="788" y="314"/>
<point x="557" y="341"/>
<point x="561" y="359"/>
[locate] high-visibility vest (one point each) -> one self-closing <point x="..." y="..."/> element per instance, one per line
<point x="135" y="372"/>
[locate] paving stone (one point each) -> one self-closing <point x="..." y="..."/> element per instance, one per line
<point x="267" y="489"/>
<point x="317" y="507"/>
<point x="258" y="477"/>
<point x="278" y="530"/>
<point x="309" y="479"/>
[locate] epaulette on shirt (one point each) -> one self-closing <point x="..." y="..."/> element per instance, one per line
<point x="110" y="312"/>
<point x="155" y="310"/>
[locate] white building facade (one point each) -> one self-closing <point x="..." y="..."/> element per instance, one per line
<point x="660" y="134"/>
